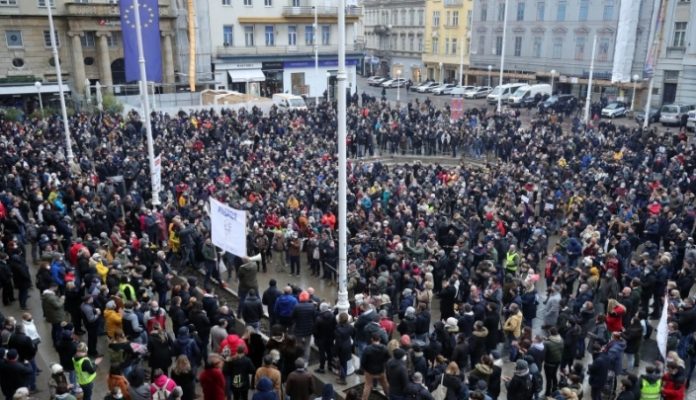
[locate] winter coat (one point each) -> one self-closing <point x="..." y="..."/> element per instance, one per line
<point x="252" y="309"/>
<point x="303" y="315"/>
<point x="615" y="350"/>
<point x="247" y="277"/>
<point x="185" y="345"/>
<point x="284" y="305"/>
<point x="598" y="371"/>
<point x="373" y="358"/>
<point x="53" y="307"/>
<point x="213" y="383"/>
<point x="477" y="345"/>
<point x="554" y="350"/>
<point x="513" y="325"/>
<point x="160" y="350"/>
<point x="299" y="385"/>
<point x="112" y="322"/>
<point x="633" y="336"/>
<point x="674" y="386"/>
<point x="187" y="381"/>
<point x="325" y="328"/>
<point x="264" y="390"/>
<point x="397" y="376"/>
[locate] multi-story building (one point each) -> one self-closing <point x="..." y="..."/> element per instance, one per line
<point x="544" y="36"/>
<point x="447" y="38"/>
<point x="88" y="35"/>
<point x="675" y="74"/>
<point x="394" y="37"/>
<point x="268" y="46"/>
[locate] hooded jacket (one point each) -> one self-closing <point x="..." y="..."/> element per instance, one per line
<point x="264" y="390"/>
<point x="554" y="350"/>
<point x="598" y="371"/>
<point x="252" y="309"/>
<point x="185" y="345"/>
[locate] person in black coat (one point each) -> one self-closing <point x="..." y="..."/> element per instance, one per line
<point x="447" y="299"/>
<point x="21" y="277"/>
<point x="177" y="314"/>
<point x="324" y="330"/>
<point x="22" y="343"/>
<point x="492" y="322"/>
<point x="343" y="344"/>
<point x="15" y="373"/>
<point x="598" y="372"/>
<point x="252" y="309"/>
<point x="159" y="347"/>
<point x="397" y="375"/>
<point x="6" y="281"/>
<point x="269" y="298"/>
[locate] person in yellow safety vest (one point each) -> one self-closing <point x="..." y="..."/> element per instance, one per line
<point x="512" y="260"/>
<point x="85" y="371"/>
<point x="650" y="384"/>
<point x="126" y="290"/>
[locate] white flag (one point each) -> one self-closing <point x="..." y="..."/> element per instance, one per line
<point x="228" y="228"/>
<point x="662" y="330"/>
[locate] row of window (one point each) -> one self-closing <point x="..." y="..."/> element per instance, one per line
<point x="40" y="3"/>
<point x="15" y="40"/>
<point x="270" y="35"/>
<point x="451" y="18"/>
<point x="408" y="18"/>
<point x="451" y="47"/>
<point x="250" y="3"/>
<point x="561" y="11"/>
<point x="581" y="47"/>
<point x="408" y="42"/>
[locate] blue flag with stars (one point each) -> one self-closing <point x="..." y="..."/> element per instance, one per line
<point x="149" y="23"/>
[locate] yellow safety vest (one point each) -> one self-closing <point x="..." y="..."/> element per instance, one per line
<point x="122" y="291"/>
<point x="650" y="391"/>
<point x="83" y="378"/>
<point x="511" y="262"/>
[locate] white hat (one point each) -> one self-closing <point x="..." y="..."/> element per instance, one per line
<point x="451" y="325"/>
<point x="56" y="369"/>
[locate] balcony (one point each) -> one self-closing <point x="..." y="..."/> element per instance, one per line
<point x="322" y="11"/>
<point x="382" y="29"/>
<point x="280" y="50"/>
<point x="101" y="10"/>
<point x="454" y="3"/>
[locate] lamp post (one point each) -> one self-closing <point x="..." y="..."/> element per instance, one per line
<point x="502" y="54"/>
<point x="37" y="85"/>
<point x="490" y="69"/>
<point x="316" y="48"/>
<point x="398" y="86"/>
<point x="442" y="74"/>
<point x="553" y="75"/>
<point x="636" y="77"/>
<point x="328" y="87"/>
<point x="342" y="303"/>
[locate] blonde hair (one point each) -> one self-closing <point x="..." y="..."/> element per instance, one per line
<point x="452" y="368"/>
<point x="182" y="365"/>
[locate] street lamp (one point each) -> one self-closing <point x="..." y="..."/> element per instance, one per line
<point x="37" y="85"/>
<point x="398" y="86"/>
<point x="490" y="68"/>
<point x="635" y="87"/>
<point x="553" y="75"/>
<point x="328" y="87"/>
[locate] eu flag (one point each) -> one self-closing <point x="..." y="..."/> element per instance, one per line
<point x="149" y="23"/>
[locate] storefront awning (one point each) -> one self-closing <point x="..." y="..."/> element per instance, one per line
<point x="30" y="89"/>
<point x="246" y="75"/>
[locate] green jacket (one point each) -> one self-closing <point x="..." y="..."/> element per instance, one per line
<point x="52" y="306"/>
<point x="554" y="350"/>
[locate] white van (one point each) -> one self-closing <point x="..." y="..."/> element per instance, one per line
<point x="504" y="92"/>
<point x="286" y="101"/>
<point x="528" y="93"/>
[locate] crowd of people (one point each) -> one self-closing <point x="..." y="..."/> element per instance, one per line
<point x="562" y="249"/>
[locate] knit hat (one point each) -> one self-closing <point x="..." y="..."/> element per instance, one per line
<point x="521" y="365"/>
<point x="405" y="340"/>
<point x="12" y="354"/>
<point x="399" y="353"/>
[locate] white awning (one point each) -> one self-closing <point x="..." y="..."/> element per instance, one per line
<point x="246" y="75"/>
<point x="31" y="89"/>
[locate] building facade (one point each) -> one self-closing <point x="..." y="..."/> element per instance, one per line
<point x="88" y="35"/>
<point x="544" y="36"/>
<point x="675" y="74"/>
<point x="268" y="46"/>
<point x="447" y="39"/>
<point x="394" y="37"/>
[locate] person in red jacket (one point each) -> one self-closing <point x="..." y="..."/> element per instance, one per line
<point x="674" y="382"/>
<point x="615" y="313"/>
<point x="212" y="380"/>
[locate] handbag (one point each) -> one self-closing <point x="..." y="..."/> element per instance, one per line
<point x="221" y="267"/>
<point x="440" y="392"/>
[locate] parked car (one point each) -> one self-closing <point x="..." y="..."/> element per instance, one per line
<point x="425" y="84"/>
<point x="427" y="87"/>
<point x="614" y="110"/>
<point x="691" y="122"/>
<point x="478" y="92"/>
<point x="560" y="102"/>
<point x="671" y="114"/>
<point x="440" y="90"/>
<point x="459" y="90"/>
<point x="375" y="80"/>
<point x="639" y="116"/>
<point x="503" y="92"/>
<point x="393" y="83"/>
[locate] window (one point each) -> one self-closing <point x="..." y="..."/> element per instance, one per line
<point x="325" y="35"/>
<point x="112" y="40"/>
<point x="679" y="34"/>
<point x="469" y="14"/>
<point x="538" y="40"/>
<point x="481" y="45"/>
<point x="42" y="3"/>
<point x="295" y="3"/>
<point x="10" y="3"/>
<point x="249" y="36"/>
<point x="498" y="45"/>
<point x="18" y="62"/>
<point x="403" y="17"/>
<point x="518" y="46"/>
<point x="541" y="10"/>
<point x="248" y="3"/>
<point x="454" y="46"/>
<point x="421" y="17"/>
<point x="227" y="35"/>
<point x="501" y="12"/>
<point x="584" y="9"/>
<point x="47" y="38"/>
<point x="309" y="35"/>
<point x="436" y="19"/>
<point x="579" y="47"/>
<point x="226" y="2"/>
<point x="403" y="42"/>
<point x="395" y="18"/>
<point x="420" y="43"/>
<point x="436" y="44"/>
<point x="270" y="35"/>
<point x="484" y="12"/>
<point x="455" y="18"/>
<point x="412" y="17"/>
<point x="89" y="39"/>
<point x="520" y="11"/>
<point x="292" y="35"/>
<point x="557" y="47"/>
<point x="609" y="10"/>
<point x="561" y="11"/>
<point x="268" y="3"/>
<point x="411" y="43"/>
<point x="448" y="18"/>
<point x="14" y="38"/>
<point x="603" y="52"/>
<point x="447" y="46"/>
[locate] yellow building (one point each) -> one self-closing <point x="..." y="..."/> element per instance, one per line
<point x="447" y="39"/>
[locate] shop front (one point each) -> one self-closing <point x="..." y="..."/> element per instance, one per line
<point x="273" y="71"/>
<point x="241" y="77"/>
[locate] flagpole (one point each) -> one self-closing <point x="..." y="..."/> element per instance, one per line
<point x="59" y="75"/>
<point x="145" y="103"/>
<point x="588" y="97"/>
<point x="342" y="304"/>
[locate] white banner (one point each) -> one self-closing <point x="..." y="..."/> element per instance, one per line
<point x="629" y="14"/>
<point x="662" y="333"/>
<point x="157" y="178"/>
<point x="228" y="228"/>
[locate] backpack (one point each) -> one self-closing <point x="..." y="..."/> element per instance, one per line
<point x="161" y="393"/>
<point x="537" y="383"/>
